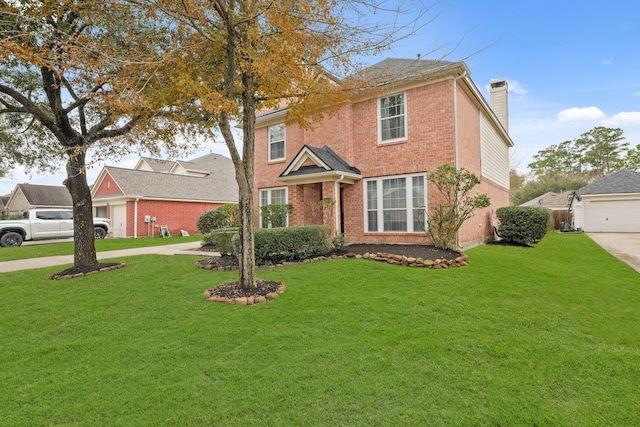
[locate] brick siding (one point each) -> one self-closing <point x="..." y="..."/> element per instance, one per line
<point x="352" y="132"/>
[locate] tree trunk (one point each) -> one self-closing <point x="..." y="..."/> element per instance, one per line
<point x="84" y="251"/>
<point x="246" y="271"/>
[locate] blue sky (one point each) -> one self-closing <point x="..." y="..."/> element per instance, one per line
<point x="571" y="66"/>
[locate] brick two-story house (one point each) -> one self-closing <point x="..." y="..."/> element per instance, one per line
<point x="369" y="159"/>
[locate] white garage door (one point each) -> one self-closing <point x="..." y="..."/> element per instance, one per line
<point x="619" y="216"/>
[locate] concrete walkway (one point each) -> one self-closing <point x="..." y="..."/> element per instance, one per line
<point x="190" y="248"/>
<point x="624" y="246"/>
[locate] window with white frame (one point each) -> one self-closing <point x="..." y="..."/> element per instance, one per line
<point x="393" y="118"/>
<point x="395" y="204"/>
<point x="272" y="196"/>
<point x="276" y="142"/>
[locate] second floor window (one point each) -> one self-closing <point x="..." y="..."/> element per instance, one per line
<point x="392" y="118"/>
<point x="276" y="142"/>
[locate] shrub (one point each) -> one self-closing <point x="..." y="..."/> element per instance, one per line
<point x="210" y="220"/>
<point x="232" y="212"/>
<point x="224" y="217"/>
<point x="221" y="239"/>
<point x="275" y="215"/>
<point x="276" y="245"/>
<point x="444" y="219"/>
<point x="523" y="225"/>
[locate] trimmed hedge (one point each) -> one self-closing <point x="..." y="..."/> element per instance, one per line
<point x="210" y="220"/>
<point x="221" y="239"/>
<point x="523" y="225"/>
<point x="288" y="244"/>
<point x="225" y="216"/>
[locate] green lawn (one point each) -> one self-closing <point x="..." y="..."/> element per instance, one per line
<point x="66" y="247"/>
<point x="545" y="336"/>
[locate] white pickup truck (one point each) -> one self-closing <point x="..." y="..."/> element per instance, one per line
<point x="40" y="224"/>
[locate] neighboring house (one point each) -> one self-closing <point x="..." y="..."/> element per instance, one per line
<point x="3" y="203"/>
<point x="557" y="203"/>
<point x="163" y="193"/>
<point x="368" y="161"/>
<point x="32" y="196"/>
<point x="550" y="200"/>
<point x="611" y="204"/>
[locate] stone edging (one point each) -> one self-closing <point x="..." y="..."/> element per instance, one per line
<point x="73" y="276"/>
<point x="401" y="260"/>
<point x="254" y="299"/>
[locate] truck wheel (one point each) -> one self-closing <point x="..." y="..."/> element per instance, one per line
<point x="99" y="233"/>
<point x="11" y="239"/>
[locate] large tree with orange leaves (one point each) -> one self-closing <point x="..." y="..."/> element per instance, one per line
<point x="240" y="56"/>
<point x="74" y="76"/>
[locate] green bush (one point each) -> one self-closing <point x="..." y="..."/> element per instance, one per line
<point x="224" y="217"/>
<point x="276" y="245"/>
<point x="210" y="220"/>
<point x="232" y="212"/>
<point x="523" y="225"/>
<point x="275" y="215"/>
<point x="221" y="239"/>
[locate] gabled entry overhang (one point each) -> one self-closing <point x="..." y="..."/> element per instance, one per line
<point x="313" y="165"/>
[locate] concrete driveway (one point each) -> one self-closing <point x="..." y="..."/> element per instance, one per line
<point x="624" y="246"/>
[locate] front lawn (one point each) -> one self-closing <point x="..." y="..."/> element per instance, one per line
<point x="109" y="244"/>
<point x="548" y="335"/>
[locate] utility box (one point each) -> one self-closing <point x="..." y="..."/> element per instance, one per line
<point x="147" y="218"/>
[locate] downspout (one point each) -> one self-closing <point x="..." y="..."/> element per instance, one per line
<point x="455" y="132"/>
<point x="135" y="218"/>
<point x="336" y="207"/>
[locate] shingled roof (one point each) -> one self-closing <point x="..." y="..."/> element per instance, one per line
<point x="159" y="165"/>
<point x="313" y="164"/>
<point x="401" y="69"/>
<point x="620" y="182"/>
<point x="46" y="195"/>
<point x="549" y="200"/>
<point x="219" y="187"/>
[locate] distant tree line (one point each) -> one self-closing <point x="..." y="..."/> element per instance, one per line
<point x="571" y="165"/>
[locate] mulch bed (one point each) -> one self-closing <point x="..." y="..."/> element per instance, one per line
<point x="409" y="251"/>
<point x="86" y="270"/>
<point x="264" y="291"/>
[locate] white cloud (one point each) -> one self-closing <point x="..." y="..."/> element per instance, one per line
<point x="625" y="118"/>
<point x="607" y="61"/>
<point x="580" y="114"/>
<point x="637" y="93"/>
<point x="516" y="88"/>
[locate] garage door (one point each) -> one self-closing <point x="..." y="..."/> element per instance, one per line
<point x="619" y="216"/>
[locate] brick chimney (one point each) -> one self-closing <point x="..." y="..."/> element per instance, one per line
<point x="499" y="100"/>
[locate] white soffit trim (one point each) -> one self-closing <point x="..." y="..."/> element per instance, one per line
<point x="312" y="178"/>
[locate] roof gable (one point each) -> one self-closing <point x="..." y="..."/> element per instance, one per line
<point x="313" y="164"/>
<point x="620" y="182"/>
<point x="156" y="165"/>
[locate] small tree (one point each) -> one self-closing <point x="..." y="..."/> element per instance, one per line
<point x="458" y="204"/>
<point x="275" y="215"/>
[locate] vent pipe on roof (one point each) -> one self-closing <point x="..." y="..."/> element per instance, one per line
<point x="499" y="100"/>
